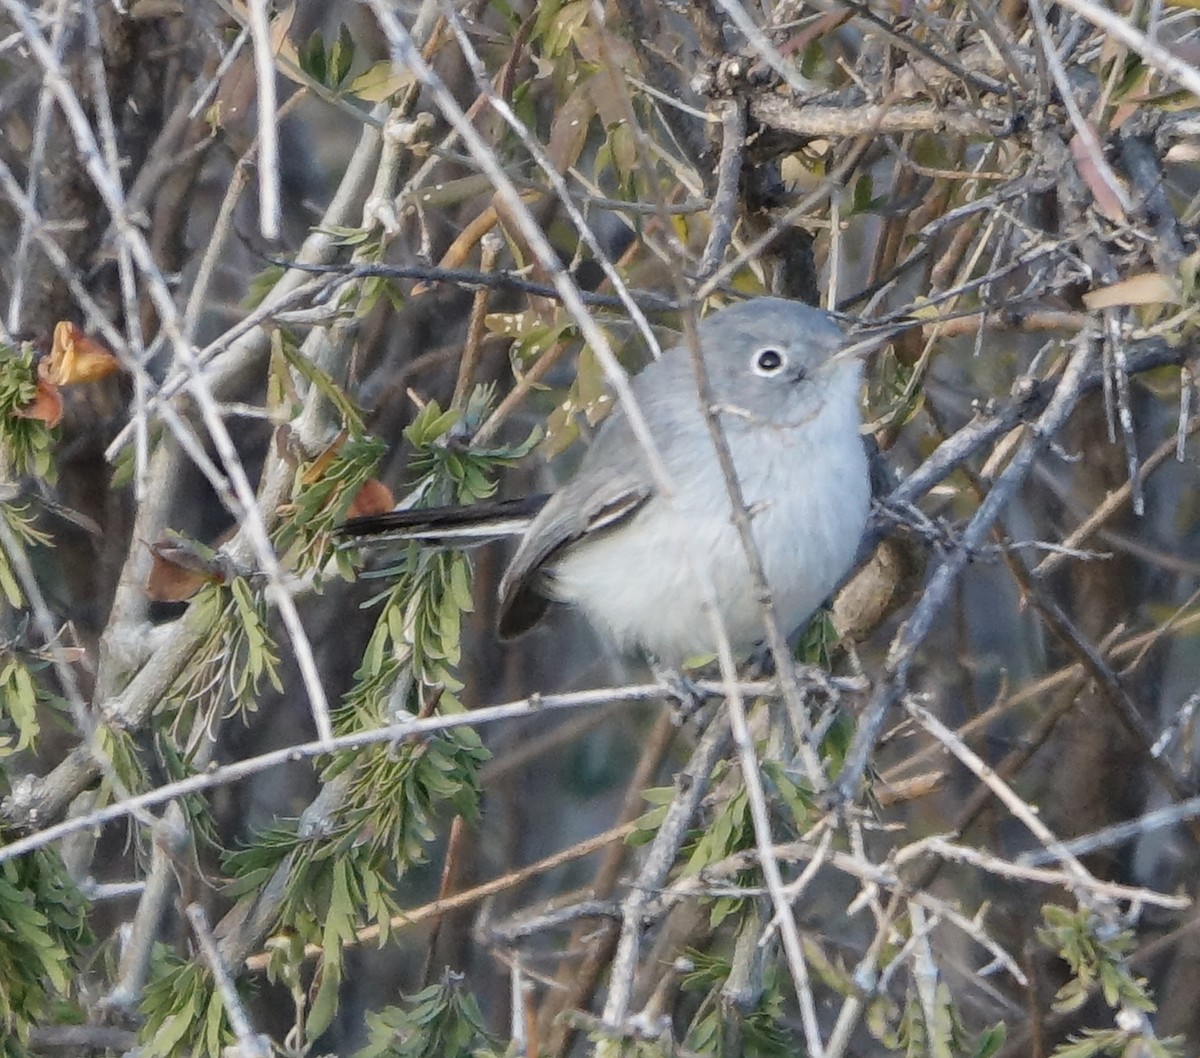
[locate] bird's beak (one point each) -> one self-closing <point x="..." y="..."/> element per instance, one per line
<point x="865" y="338"/>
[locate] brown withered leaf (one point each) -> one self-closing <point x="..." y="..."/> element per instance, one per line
<point x="316" y="470"/>
<point x="181" y="568"/>
<point x="74" y="357"/>
<point x="1149" y="288"/>
<point x="904" y="790"/>
<point x="373" y="498"/>
<point x="1106" y="199"/>
<point x="47" y="405"/>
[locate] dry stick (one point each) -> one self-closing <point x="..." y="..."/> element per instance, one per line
<point x="455" y="842"/>
<point x="20" y="263"/>
<point x="527" y="925"/>
<point x="1011" y="765"/>
<point x="917" y="627"/>
<point x="525" y="384"/>
<point x="1029" y="400"/>
<point x="250" y="1043"/>
<point x="125" y="267"/>
<point x="229" y="773"/>
<point x="729" y="170"/>
<point x="82" y="1039"/>
<point x="912" y="43"/>
<point x="223" y="226"/>
<point x="762" y="47"/>
<point x="1020" y="187"/>
<point x="1174" y="623"/>
<point x="129" y="601"/>
<point x="1093" y="660"/>
<point x="1119" y="833"/>
<point x="1012" y="319"/>
<point x="250" y="517"/>
<point x="794" y="214"/>
<point x="1098" y="669"/>
<point x="691" y="784"/>
<point x="583" y="975"/>
<point x="855" y="1003"/>
<point x="489" y="247"/>
<point x="1082" y="883"/>
<point x="806" y="745"/>
<point x="261" y="960"/>
<point x="888" y="875"/>
<point x="815" y="120"/>
<point x="1070" y="677"/>
<point x="470" y="278"/>
<point x="1139" y="155"/>
<point x="1026" y="869"/>
<point x="140" y="933"/>
<point x="538" y="748"/>
<point x="1153" y="53"/>
<point x="226" y="356"/>
<point x="269" y="209"/>
<point x="1048" y="719"/>
<point x="169" y="839"/>
<point x="1000" y="43"/>
<point x="1085" y="132"/>
<point x="46" y="796"/>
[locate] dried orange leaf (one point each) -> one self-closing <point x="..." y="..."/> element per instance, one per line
<point x="180" y="569"/>
<point x="74" y="357"/>
<point x="47" y="405"/>
<point x="373" y="498"/>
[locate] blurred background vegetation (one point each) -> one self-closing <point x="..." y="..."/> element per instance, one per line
<point x="266" y="265"/>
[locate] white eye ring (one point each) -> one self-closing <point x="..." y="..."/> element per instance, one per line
<point x="768" y="361"/>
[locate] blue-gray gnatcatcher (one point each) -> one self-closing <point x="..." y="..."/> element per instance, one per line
<point x="610" y="543"/>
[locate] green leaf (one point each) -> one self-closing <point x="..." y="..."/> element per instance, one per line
<point x="324" y="1004"/>
<point x="341" y="57"/>
<point x="380" y="81"/>
<point x="312" y="58"/>
<point x="990" y="1040"/>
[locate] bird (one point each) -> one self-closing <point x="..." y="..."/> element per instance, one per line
<point x="784" y="381"/>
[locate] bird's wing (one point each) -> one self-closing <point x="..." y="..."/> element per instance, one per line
<point x="570" y="515"/>
<point x="612" y="485"/>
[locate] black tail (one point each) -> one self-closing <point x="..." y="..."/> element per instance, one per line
<point x="488" y="519"/>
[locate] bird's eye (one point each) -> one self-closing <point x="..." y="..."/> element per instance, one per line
<point x="768" y="362"/>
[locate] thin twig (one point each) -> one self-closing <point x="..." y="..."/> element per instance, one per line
<point x="912" y="634"/>
<point x="269" y="209"/>
<point x="691" y="784"/>
<point x="250" y="1043"/>
<point x="229" y="773"/>
<point x="725" y="201"/>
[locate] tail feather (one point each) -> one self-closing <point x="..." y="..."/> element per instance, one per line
<point x="476" y="524"/>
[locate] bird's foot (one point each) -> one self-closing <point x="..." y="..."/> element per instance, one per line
<point x="761" y="663"/>
<point x="688" y="696"/>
